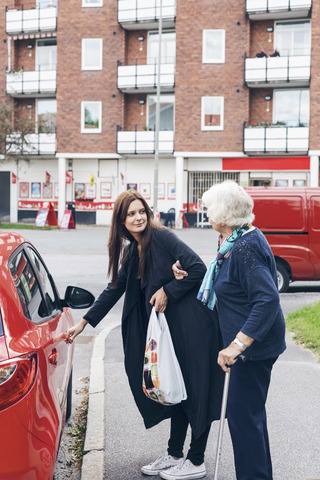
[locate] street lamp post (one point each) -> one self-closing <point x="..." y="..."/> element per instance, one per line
<point x="156" y="146"/>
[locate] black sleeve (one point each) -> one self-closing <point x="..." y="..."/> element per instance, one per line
<point x="107" y="299"/>
<point x="189" y="260"/>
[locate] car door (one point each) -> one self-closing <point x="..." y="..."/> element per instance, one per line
<point x="45" y="335"/>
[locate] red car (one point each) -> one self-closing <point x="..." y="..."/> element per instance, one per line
<point x="35" y="361"/>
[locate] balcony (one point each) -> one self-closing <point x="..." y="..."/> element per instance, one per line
<point x="278" y="71"/>
<point x="33" y="84"/>
<point x="139" y="141"/>
<point x="278" y="9"/>
<point x="143" y="78"/>
<point x="35" y="144"/>
<point x="275" y="140"/>
<point x="137" y="14"/>
<point x="42" y="18"/>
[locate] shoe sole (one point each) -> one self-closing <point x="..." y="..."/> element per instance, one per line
<point x="182" y="477"/>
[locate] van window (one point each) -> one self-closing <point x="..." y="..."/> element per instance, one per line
<point x="315" y="208"/>
<point x="280" y="214"/>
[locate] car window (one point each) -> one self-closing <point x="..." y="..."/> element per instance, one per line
<point x="1" y="329"/>
<point x="26" y="283"/>
<point x="51" y="298"/>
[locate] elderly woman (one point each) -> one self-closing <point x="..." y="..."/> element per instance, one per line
<point x="243" y="280"/>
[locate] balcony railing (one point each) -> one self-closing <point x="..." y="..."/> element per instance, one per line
<point x="32" y="19"/>
<point x="267" y="9"/>
<point x="275" y="139"/>
<point x="35" y="144"/>
<point x="143" y="78"/>
<point x="139" y="141"/>
<point x="34" y="83"/>
<point x="131" y="13"/>
<point x="295" y="69"/>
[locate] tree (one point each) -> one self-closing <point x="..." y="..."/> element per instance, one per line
<point x="14" y="131"/>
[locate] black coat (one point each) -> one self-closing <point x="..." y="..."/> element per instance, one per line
<point x="194" y="328"/>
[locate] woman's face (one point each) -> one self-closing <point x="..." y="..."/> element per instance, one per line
<point x="136" y="219"/>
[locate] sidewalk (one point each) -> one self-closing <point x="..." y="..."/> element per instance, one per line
<point x="119" y="444"/>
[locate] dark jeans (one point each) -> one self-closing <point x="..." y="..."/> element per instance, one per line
<point x="179" y="427"/>
<point x="248" y="390"/>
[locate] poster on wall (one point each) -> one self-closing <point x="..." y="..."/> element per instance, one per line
<point x="132" y="186"/>
<point x="35" y="190"/>
<point x="171" y="191"/>
<point x="90" y="190"/>
<point x="23" y="189"/>
<point x="145" y="190"/>
<point x="47" y="190"/>
<point x="79" y="191"/>
<point x="105" y="189"/>
<point x="160" y="191"/>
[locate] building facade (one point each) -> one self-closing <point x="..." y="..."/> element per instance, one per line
<point x="239" y="89"/>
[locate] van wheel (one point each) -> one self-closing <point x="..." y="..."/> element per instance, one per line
<point x="283" y="278"/>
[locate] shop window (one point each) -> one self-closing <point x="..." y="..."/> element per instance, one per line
<point x="91" y="117"/>
<point x="213" y="46"/>
<point x="91" y="56"/>
<point x="212" y="113"/>
<point x="199" y="182"/>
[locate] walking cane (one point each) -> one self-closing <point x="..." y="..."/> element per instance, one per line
<point x="222" y="421"/>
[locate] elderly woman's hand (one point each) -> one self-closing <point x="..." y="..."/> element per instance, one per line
<point x="228" y="356"/>
<point x="178" y="272"/>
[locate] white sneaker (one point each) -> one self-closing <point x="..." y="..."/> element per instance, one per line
<point x="184" y="471"/>
<point x="162" y="463"/>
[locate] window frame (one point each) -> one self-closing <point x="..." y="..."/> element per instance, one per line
<point x="99" y="3"/>
<point x="291" y="22"/>
<point x="89" y="130"/>
<point x="289" y="91"/>
<point x="222" y="57"/>
<point x="83" y="66"/>
<point x="213" y="127"/>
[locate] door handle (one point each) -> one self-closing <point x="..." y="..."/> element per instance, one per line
<point x="53" y="357"/>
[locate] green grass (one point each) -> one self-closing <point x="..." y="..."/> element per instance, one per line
<point x="22" y="226"/>
<point x="305" y="324"/>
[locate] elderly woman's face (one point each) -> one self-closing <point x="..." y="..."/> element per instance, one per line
<point x="216" y="226"/>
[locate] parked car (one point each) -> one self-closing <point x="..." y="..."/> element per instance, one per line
<point x="290" y="219"/>
<point x="35" y="361"/>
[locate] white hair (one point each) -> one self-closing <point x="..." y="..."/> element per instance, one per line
<point x="229" y="204"/>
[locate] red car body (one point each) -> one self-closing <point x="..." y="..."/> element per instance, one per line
<point x="35" y="363"/>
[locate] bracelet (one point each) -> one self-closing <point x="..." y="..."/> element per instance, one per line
<point x="240" y="344"/>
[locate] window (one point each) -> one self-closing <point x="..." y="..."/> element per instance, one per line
<point x="37" y="304"/>
<point x="46" y="54"/>
<point x="293" y="38"/>
<point x="212" y="113"/>
<point x="90" y="117"/>
<point x="166" y="112"/>
<point x="291" y="107"/>
<point x="199" y="182"/>
<point x="91" y="54"/>
<point x="168" y="47"/>
<point x="213" y="46"/>
<point x="46" y="115"/>
<point x="92" y="3"/>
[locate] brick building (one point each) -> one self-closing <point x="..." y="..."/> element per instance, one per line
<point x="240" y="89"/>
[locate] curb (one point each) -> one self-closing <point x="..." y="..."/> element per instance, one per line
<point x="93" y="453"/>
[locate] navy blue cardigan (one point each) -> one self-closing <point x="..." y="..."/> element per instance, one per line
<point x="248" y="298"/>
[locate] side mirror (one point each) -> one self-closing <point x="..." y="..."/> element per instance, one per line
<point x="76" y="297"/>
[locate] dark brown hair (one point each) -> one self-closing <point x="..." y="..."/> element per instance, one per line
<point x="119" y="234"/>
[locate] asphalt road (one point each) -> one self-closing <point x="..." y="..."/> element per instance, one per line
<point x="79" y="257"/>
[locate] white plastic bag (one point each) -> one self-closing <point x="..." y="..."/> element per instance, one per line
<point x="162" y="378"/>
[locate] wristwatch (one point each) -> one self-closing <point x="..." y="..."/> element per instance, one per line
<point x="240" y="344"/>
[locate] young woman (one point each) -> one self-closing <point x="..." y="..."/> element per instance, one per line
<point x="145" y="252"/>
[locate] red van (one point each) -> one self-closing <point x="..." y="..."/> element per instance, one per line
<point x="290" y="220"/>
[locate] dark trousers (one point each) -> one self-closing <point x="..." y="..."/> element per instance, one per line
<point x="179" y="427"/>
<point x="248" y="390"/>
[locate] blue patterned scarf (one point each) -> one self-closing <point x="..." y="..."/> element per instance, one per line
<point x="206" y="293"/>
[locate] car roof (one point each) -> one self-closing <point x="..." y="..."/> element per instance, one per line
<point x="9" y="241"/>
